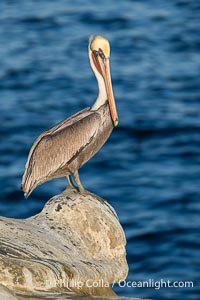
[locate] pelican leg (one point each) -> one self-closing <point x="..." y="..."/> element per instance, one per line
<point x="70" y="183"/>
<point x="78" y="182"/>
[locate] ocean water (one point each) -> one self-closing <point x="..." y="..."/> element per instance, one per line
<point x="149" y="170"/>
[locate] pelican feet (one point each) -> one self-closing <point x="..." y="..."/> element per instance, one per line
<point x="77" y="180"/>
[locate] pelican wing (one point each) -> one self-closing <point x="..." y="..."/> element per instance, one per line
<point x="57" y="147"/>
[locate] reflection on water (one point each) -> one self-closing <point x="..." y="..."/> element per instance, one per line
<point x="150" y="168"/>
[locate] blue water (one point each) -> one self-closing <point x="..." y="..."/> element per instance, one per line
<point x="149" y="170"/>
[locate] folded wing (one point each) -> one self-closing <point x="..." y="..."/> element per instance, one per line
<point x="57" y="147"/>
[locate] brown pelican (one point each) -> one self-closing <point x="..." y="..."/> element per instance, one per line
<point x="63" y="149"/>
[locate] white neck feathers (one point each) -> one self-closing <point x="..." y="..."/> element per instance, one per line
<point x="102" y="97"/>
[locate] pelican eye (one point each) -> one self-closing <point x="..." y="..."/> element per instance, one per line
<point x="101" y="54"/>
<point x="95" y="52"/>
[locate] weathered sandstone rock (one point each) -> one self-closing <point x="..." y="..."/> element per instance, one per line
<point x="74" y="244"/>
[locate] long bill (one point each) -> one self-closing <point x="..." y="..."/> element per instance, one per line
<point x="103" y="66"/>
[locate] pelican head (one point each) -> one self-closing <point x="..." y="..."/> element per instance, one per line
<point x="99" y="54"/>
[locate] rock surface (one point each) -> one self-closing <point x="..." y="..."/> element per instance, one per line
<point x="75" y="244"/>
<point x="6" y="294"/>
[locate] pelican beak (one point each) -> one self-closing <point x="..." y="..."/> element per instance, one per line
<point x="103" y="66"/>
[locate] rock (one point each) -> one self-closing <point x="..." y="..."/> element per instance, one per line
<point x="74" y="244"/>
<point x="6" y="294"/>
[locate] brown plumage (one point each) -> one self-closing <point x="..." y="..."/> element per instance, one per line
<point x="63" y="149"/>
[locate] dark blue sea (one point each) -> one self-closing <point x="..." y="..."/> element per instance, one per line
<point x="149" y="170"/>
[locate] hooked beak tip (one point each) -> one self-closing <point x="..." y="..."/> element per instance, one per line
<point x="116" y="122"/>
